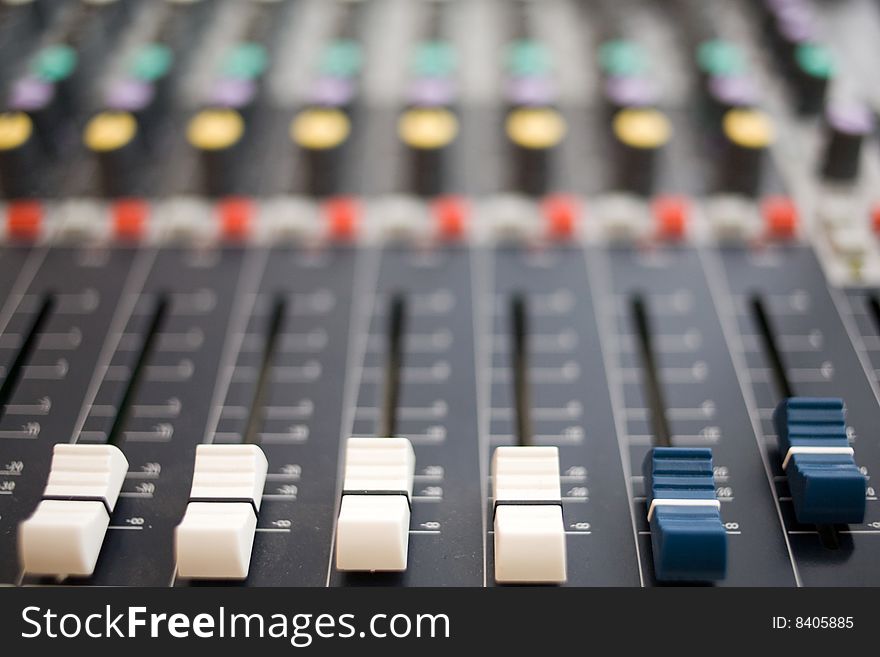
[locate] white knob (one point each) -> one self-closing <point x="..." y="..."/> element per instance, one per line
<point x="372" y="531"/>
<point x="64" y="535"/>
<point x="529" y="530"/>
<point x="216" y="536"/>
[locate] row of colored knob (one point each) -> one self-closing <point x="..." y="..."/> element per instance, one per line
<point x="121" y="135"/>
<point x="791" y="30"/>
<point x="688" y="538"/>
<point x="215" y="537"/>
<point x="322" y="130"/>
<point x="428" y="126"/>
<point x="42" y="105"/>
<point x="739" y="132"/>
<point x="534" y="127"/>
<point x="639" y="130"/>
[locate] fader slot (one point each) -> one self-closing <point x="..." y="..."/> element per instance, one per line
<point x="520" y="370"/>
<point x="653" y="389"/>
<point x="771" y="348"/>
<point x="151" y="335"/>
<point x="65" y="533"/>
<point x="215" y="538"/>
<point x="827" y="533"/>
<point x="44" y="404"/>
<point x="393" y="366"/>
<point x="821" y="361"/>
<point x="827" y="488"/>
<point x="529" y="532"/>
<point x="256" y="415"/>
<point x="688" y="539"/>
<point x="300" y="417"/>
<point x="438" y="410"/>
<point x="372" y="530"/>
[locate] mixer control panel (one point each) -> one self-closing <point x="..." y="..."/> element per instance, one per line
<point x="439" y="293"/>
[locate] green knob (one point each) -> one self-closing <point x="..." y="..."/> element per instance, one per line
<point x="341" y="59"/>
<point x="622" y="58"/>
<point x="434" y="59"/>
<point x="247" y="61"/>
<point x="719" y="57"/>
<point x="815" y="60"/>
<point x="528" y="58"/>
<point x="152" y="62"/>
<point x="54" y="63"/>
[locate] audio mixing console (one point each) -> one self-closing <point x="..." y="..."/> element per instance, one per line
<point x="439" y="292"/>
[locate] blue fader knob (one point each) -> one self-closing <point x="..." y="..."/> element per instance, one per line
<point x="826" y="485"/>
<point x="688" y="539"/>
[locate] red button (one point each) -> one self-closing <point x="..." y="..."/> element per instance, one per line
<point x="671" y="214"/>
<point x="875" y="218"/>
<point x="236" y="215"/>
<point x="24" y="220"/>
<point x="450" y="214"/>
<point x="130" y="218"/>
<point x="342" y="218"/>
<point x="781" y="217"/>
<point x="560" y="215"/>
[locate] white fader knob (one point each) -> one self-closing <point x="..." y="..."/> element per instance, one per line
<point x="529" y="532"/>
<point x="64" y="535"/>
<point x="372" y="531"/>
<point x="216" y="536"/>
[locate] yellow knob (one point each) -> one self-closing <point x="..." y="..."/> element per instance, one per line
<point x="109" y="131"/>
<point x="749" y="128"/>
<point x="215" y="129"/>
<point x="536" y="128"/>
<point x="320" y="128"/>
<point x="642" y="128"/>
<point x="15" y="129"/>
<point x="427" y="128"/>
